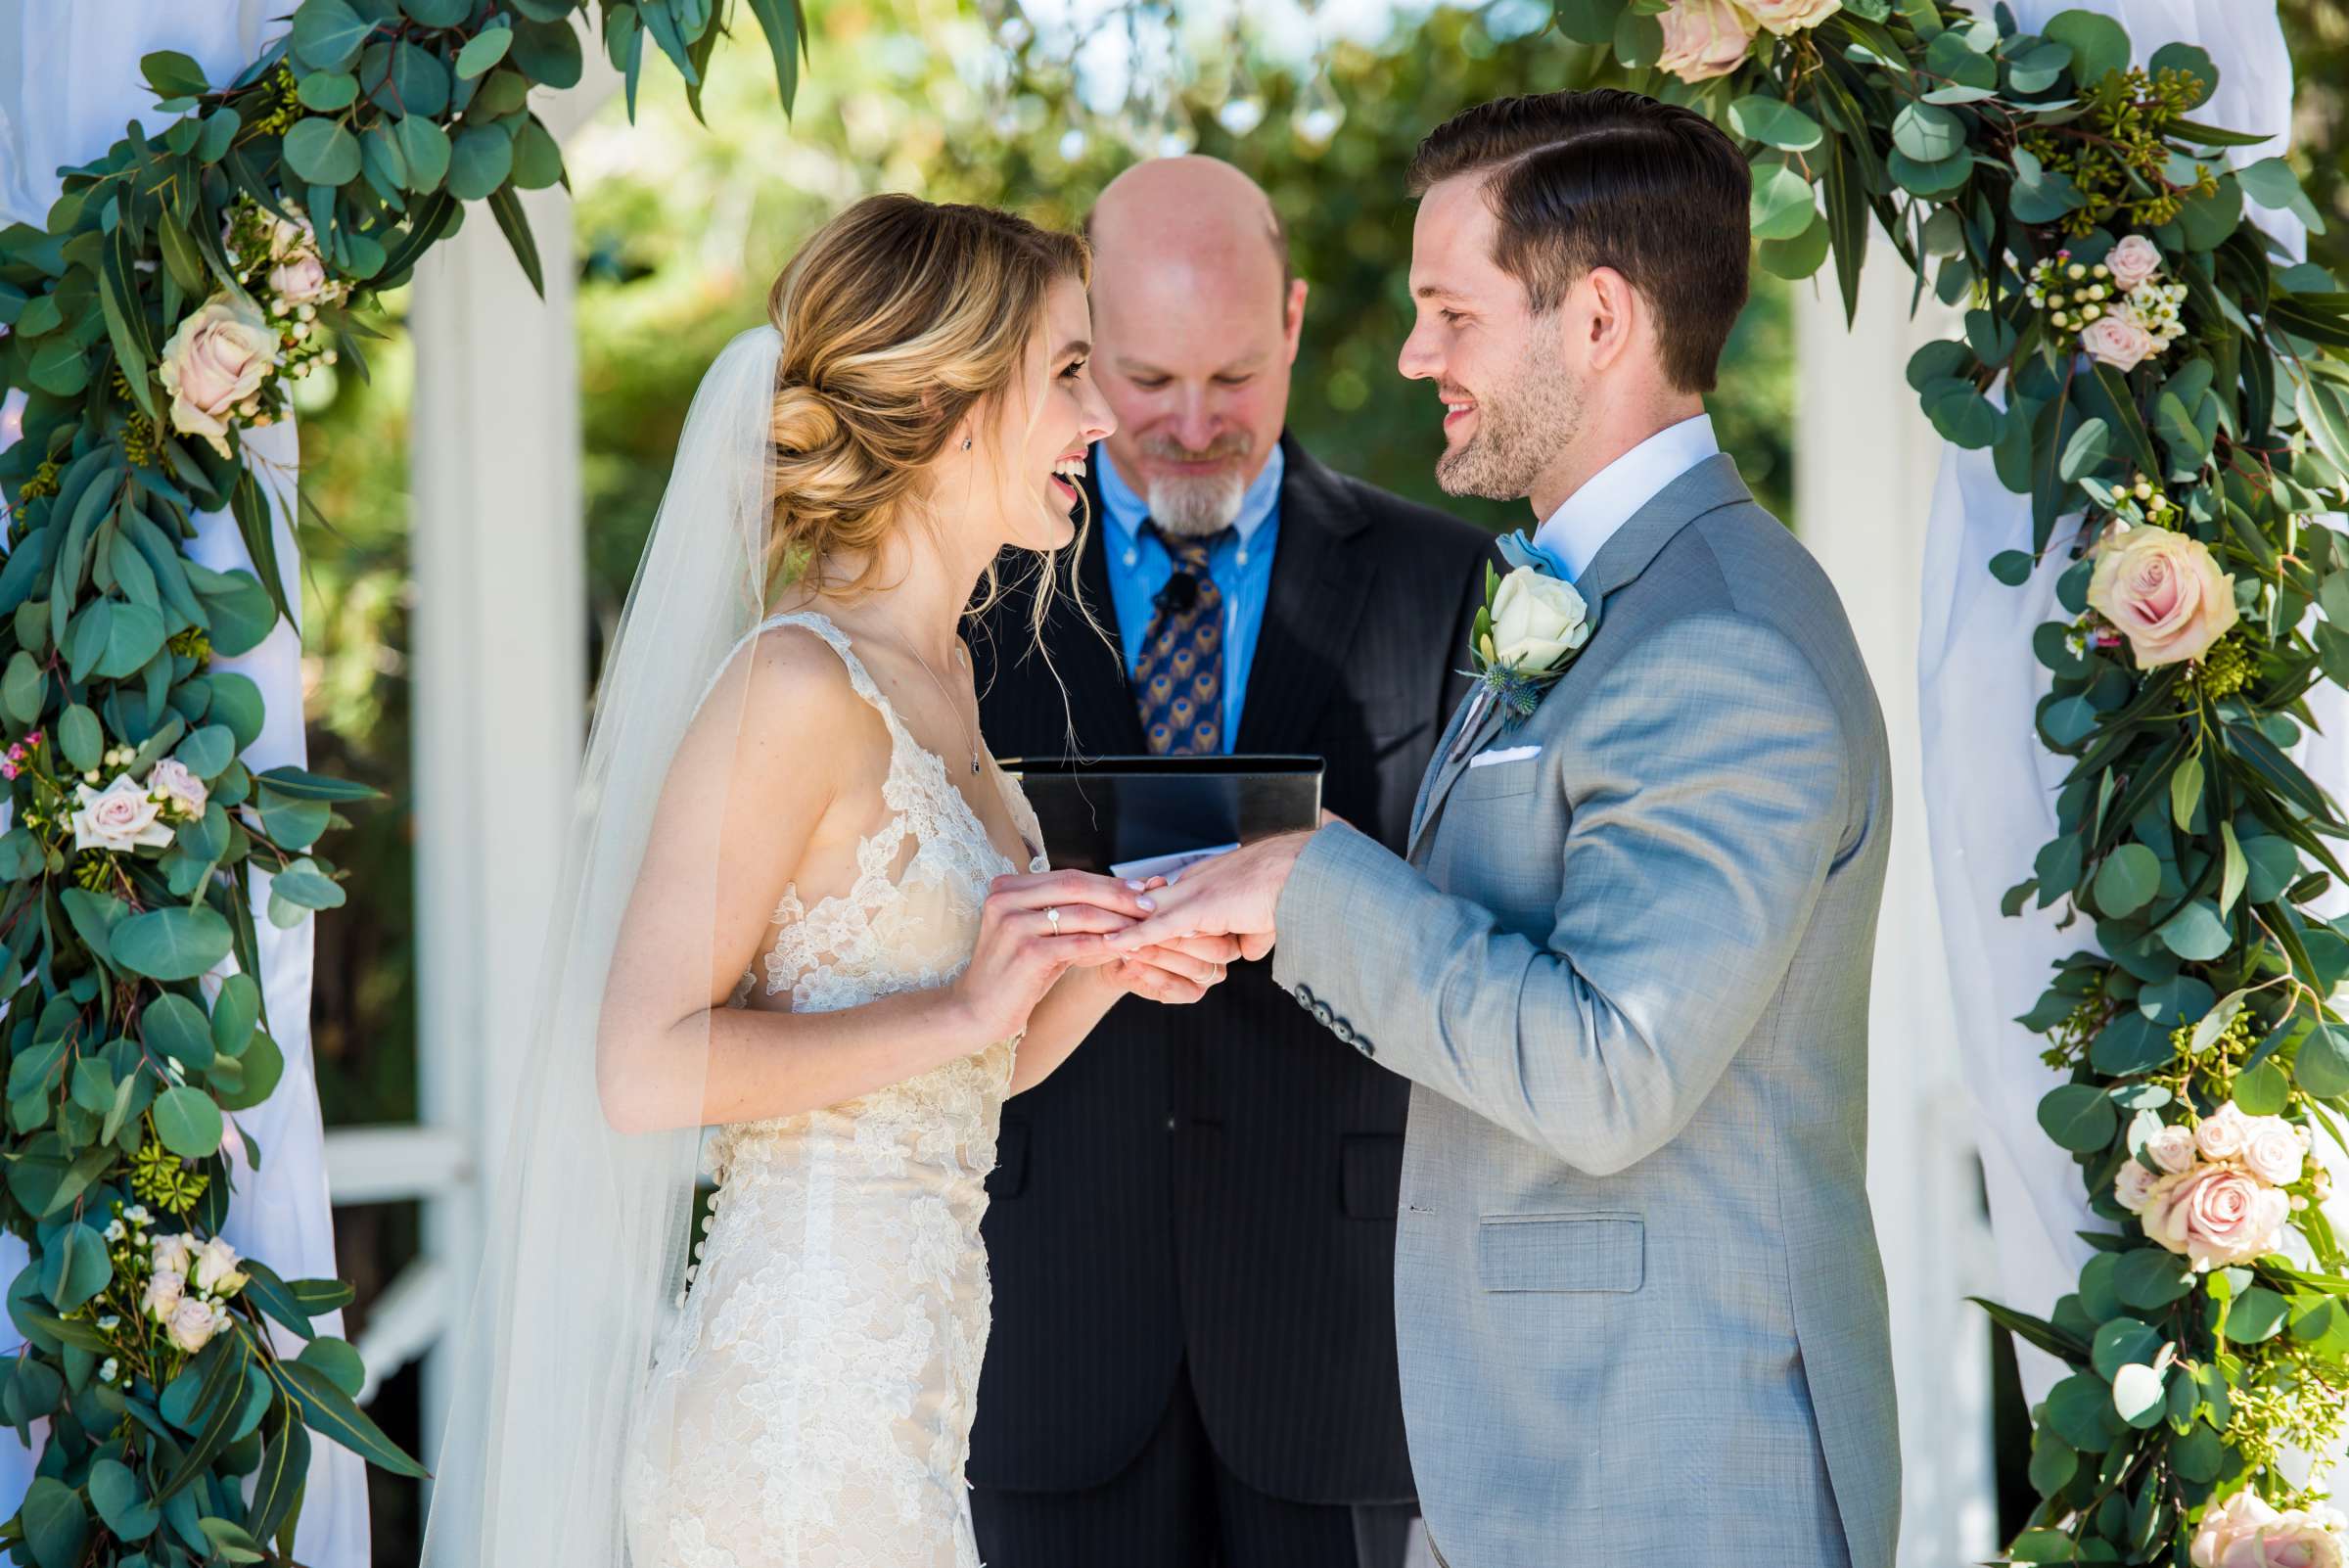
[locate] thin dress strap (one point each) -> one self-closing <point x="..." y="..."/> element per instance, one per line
<point x="860" y="678"/>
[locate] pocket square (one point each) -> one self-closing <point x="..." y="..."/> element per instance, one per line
<point x="1512" y="753"/>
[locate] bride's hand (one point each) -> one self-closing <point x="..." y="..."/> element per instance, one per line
<point x="1024" y="947"/>
<point x="1181" y="970"/>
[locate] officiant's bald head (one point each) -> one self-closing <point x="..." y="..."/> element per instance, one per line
<point x="1196" y="317"/>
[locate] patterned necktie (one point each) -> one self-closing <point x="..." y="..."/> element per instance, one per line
<point x="1178" y="679"/>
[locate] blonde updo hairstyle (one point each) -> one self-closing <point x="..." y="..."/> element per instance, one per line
<point x="897" y="318"/>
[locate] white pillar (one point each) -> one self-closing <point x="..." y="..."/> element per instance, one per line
<point x="500" y="637"/>
<point x="1865" y="465"/>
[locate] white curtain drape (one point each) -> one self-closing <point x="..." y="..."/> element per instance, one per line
<point x="1990" y="786"/>
<point x="69" y="82"/>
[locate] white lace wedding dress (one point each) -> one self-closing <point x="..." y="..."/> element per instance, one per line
<point x="812" y="1398"/>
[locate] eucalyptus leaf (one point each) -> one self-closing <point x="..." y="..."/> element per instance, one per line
<point x="188" y="1121"/>
<point x="1781" y="206"/>
<point x="2079" y="1116"/>
<point x="170" y="942"/>
<point x="2127" y="880"/>
<point x="1928" y="133"/>
<point x="323" y="152"/>
<point x="1773" y="123"/>
<point x="2099" y="44"/>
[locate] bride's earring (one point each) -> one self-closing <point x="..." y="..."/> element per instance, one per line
<point x="966" y="443"/>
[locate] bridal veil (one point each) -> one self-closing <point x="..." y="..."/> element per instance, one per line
<point x="588" y="1234"/>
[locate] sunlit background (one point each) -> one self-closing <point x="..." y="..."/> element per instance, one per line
<point x="681" y="227"/>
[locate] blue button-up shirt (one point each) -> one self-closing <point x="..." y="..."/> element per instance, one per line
<point x="1242" y="567"/>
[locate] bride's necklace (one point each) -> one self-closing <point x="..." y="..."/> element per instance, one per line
<point x="967" y="738"/>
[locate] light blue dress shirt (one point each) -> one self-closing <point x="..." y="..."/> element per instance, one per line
<point x="1583" y="522"/>
<point x="1242" y="567"/>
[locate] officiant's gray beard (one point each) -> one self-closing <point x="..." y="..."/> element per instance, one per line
<point x="1522" y="426"/>
<point x="1186" y="507"/>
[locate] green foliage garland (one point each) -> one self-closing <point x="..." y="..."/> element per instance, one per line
<point x="178" y="288"/>
<point x="2163" y="383"/>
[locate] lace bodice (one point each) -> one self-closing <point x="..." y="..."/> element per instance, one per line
<point x="910" y="918"/>
<point x="814" y="1391"/>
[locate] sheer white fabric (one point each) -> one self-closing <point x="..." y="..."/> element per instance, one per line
<point x="1990" y="786"/>
<point x="70" y="81"/>
<point x="811" y="1402"/>
<point x="588" y="1235"/>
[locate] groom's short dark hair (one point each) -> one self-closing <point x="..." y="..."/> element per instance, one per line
<point x="1612" y="179"/>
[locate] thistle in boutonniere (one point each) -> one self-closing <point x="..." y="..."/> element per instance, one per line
<point x="1531" y="626"/>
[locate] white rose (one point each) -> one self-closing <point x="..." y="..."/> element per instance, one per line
<point x="2272" y="1150"/>
<point x="1537" y="620"/>
<point x="1783" y="17"/>
<point x="2133" y="262"/>
<point x="171" y="778"/>
<point x="119" y="816"/>
<point x="193" y="1325"/>
<point x="2222" y="1133"/>
<point x="217" y="359"/>
<point x="165" y="1292"/>
<point x="2247" y="1533"/>
<point x="2215" y="1215"/>
<point x="2171" y="1148"/>
<point x="2132" y="1186"/>
<point x="2119" y="340"/>
<point x="1704" y="38"/>
<point x="2164" y="591"/>
<point x="174" y="1254"/>
<point x="216" y="1268"/>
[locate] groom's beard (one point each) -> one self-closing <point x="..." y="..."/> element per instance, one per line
<point x="1521" y="427"/>
<point x="1197" y="506"/>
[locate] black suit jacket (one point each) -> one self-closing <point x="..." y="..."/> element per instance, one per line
<point x="1216" y="1182"/>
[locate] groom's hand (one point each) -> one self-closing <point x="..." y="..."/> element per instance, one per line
<point x="1233" y="895"/>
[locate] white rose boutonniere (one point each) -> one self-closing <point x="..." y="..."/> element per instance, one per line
<point x="1531" y="625"/>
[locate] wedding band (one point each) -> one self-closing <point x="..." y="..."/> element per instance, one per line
<point x="1054" y="915"/>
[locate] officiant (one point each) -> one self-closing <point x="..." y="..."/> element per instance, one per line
<point x="1192" y="1229"/>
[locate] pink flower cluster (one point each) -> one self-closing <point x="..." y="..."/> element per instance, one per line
<point x="2214" y="1192"/>
<point x="2122" y="309"/>
<point x="13" y="764"/>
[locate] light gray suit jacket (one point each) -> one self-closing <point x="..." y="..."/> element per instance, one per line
<point x="1637" y="1289"/>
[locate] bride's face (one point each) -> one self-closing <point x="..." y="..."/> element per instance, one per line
<point x="1046" y="429"/>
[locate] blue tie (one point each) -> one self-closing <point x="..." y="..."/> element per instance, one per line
<point x="1179" y="678"/>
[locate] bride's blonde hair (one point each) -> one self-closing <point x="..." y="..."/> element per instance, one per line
<point x="897" y="318"/>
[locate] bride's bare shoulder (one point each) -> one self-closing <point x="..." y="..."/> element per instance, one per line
<point x="798" y="699"/>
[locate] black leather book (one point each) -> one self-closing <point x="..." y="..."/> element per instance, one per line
<point x="1149" y="815"/>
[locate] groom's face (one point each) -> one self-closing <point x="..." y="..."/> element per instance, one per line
<point x="1512" y="401"/>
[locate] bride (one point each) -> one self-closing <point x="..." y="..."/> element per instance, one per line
<point x="807" y="909"/>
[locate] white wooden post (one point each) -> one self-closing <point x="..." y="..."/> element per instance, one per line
<point x="499" y="638"/>
<point x="1865" y="465"/>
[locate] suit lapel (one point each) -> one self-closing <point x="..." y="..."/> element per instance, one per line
<point x="1708" y="484"/>
<point x="1438" y="776"/>
<point x="1480" y="720"/>
<point x="1320" y="584"/>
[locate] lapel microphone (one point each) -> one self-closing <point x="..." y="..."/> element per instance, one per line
<point x="1179" y="595"/>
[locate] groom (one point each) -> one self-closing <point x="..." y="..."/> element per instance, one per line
<point x="1626" y="963"/>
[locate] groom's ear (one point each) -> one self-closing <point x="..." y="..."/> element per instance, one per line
<point x="1292" y="324"/>
<point x="1607" y="314"/>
